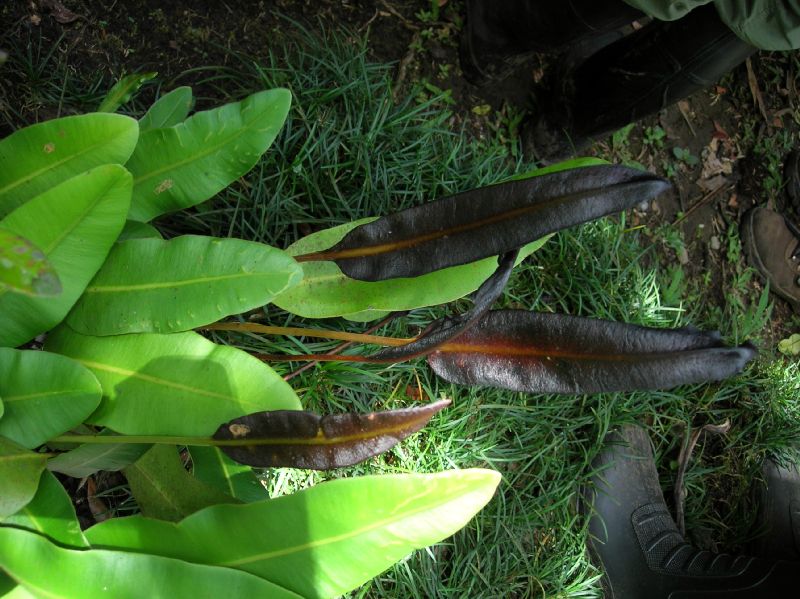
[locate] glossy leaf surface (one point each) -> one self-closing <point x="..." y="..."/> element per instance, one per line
<point x="74" y="224"/>
<point x="24" y="267"/>
<point x="177" y="384"/>
<point x="306" y="440"/>
<point x="178" y="167"/>
<point x="325" y="291"/>
<point x="169" y="110"/>
<point x="50" y="513"/>
<point x="165" y="490"/>
<point x="44" y="395"/>
<point x="20" y="471"/>
<point x="89" y="458"/>
<point x="122" y="91"/>
<point x="211" y="466"/>
<point x="487" y="221"/>
<point x="320" y="542"/>
<point x="42" y="156"/>
<point x="555" y="353"/>
<point x="157" y="286"/>
<point x="97" y="573"/>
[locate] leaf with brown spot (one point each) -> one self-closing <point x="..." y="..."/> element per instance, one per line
<point x="306" y="440"/>
<point x="488" y="221"/>
<point x="555" y="353"/>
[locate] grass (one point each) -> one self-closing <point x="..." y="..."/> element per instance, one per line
<point x="349" y="151"/>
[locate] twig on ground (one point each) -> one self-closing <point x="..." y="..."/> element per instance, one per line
<point x="758" y="98"/>
<point x="701" y="202"/>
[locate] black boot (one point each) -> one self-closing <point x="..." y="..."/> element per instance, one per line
<point x="633" y="78"/>
<point x="779" y="513"/>
<point x="636" y="542"/>
<point x="499" y="35"/>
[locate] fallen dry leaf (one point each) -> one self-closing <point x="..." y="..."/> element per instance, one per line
<point x="60" y="12"/>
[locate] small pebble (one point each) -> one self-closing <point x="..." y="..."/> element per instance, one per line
<point x="714" y="243"/>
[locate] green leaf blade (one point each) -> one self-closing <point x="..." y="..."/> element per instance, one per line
<point x="50" y="513"/>
<point x="44" y="394"/>
<point x="214" y="468"/>
<point x="178" y="167"/>
<point x="89" y="458"/>
<point x="169" y="110"/>
<point x="308" y="542"/>
<point x="42" y="156"/>
<point x="20" y="471"/>
<point x="75" y="224"/>
<point x="177" y="384"/>
<point x="118" y="574"/>
<point x="165" y="490"/>
<point x="123" y="89"/>
<point x="157" y="286"/>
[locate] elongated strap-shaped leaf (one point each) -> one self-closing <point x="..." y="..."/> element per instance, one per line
<point x="325" y="291"/>
<point x="169" y="110"/>
<point x="487" y="221"/>
<point x="211" y="466"/>
<point x="44" y="395"/>
<point x="40" y="157"/>
<point x="306" y="440"/>
<point x="157" y="286"/>
<point x="554" y="353"/>
<point x="122" y="91"/>
<point x="89" y="458"/>
<point x="50" y="513"/>
<point x="98" y="573"/>
<point x="178" y="167"/>
<point x="320" y="542"/>
<point x="165" y="490"/>
<point x="178" y="384"/>
<point x="24" y="267"/>
<point x="20" y="470"/>
<point x="74" y="224"/>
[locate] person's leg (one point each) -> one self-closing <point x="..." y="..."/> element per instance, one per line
<point x="635" y="77"/>
<point x="499" y="34"/>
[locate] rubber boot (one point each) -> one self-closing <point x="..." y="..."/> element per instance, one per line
<point x="635" y="77"/>
<point x="635" y="541"/>
<point x="500" y="35"/>
<point x="779" y="513"/>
